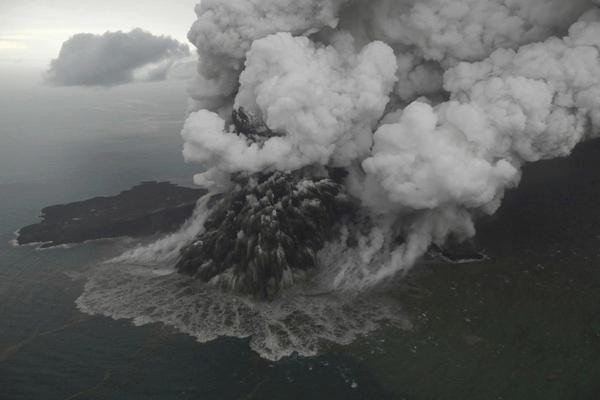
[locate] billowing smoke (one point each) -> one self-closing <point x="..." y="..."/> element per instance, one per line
<point x="114" y="58"/>
<point x="326" y="100"/>
<point x="431" y="107"/>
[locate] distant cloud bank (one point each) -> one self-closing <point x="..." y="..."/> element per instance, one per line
<point x="115" y="58"/>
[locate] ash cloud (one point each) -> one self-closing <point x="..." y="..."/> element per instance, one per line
<point x="431" y="107"/>
<point x="115" y="58"/>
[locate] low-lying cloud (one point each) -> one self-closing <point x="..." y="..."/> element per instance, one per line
<point x="115" y="58"/>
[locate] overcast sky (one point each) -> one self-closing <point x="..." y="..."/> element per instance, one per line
<point x="32" y="31"/>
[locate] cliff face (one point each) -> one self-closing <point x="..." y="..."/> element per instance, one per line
<point x="146" y="209"/>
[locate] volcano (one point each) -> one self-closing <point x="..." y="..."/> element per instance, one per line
<point x="269" y="227"/>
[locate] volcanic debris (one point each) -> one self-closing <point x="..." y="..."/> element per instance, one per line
<point x="268" y="227"/>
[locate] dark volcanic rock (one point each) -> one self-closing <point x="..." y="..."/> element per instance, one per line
<point x="148" y="208"/>
<point x="268" y="227"/>
<point x="456" y="252"/>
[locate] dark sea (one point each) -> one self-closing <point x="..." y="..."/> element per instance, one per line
<point x="524" y="324"/>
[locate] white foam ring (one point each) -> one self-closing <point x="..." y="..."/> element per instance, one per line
<point x="299" y="321"/>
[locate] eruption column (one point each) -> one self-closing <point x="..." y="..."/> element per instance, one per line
<point x="431" y="108"/>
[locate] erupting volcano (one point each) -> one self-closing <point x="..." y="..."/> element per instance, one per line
<point x="266" y="227"/>
<point x="425" y="112"/>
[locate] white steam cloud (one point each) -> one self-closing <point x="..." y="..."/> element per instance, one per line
<point x="326" y="100"/>
<point x="114" y="58"/>
<point x="433" y="106"/>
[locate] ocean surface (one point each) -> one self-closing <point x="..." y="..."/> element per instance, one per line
<point x="524" y="324"/>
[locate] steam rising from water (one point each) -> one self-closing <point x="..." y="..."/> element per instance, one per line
<point x="166" y="250"/>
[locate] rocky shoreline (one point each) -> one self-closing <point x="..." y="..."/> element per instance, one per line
<point x="146" y="209"/>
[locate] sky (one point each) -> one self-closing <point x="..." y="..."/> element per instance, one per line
<point x="38" y="119"/>
<point x="32" y="31"/>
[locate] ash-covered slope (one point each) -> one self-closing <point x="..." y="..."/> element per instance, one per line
<point x="148" y="208"/>
<point x="269" y="227"/>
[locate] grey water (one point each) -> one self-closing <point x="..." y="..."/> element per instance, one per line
<point x="524" y="324"/>
<point x="61" y="145"/>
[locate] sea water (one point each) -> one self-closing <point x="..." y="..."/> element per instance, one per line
<point x="59" y="337"/>
<point x="523" y="324"/>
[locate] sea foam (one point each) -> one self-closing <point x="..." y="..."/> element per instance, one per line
<point x="299" y="321"/>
